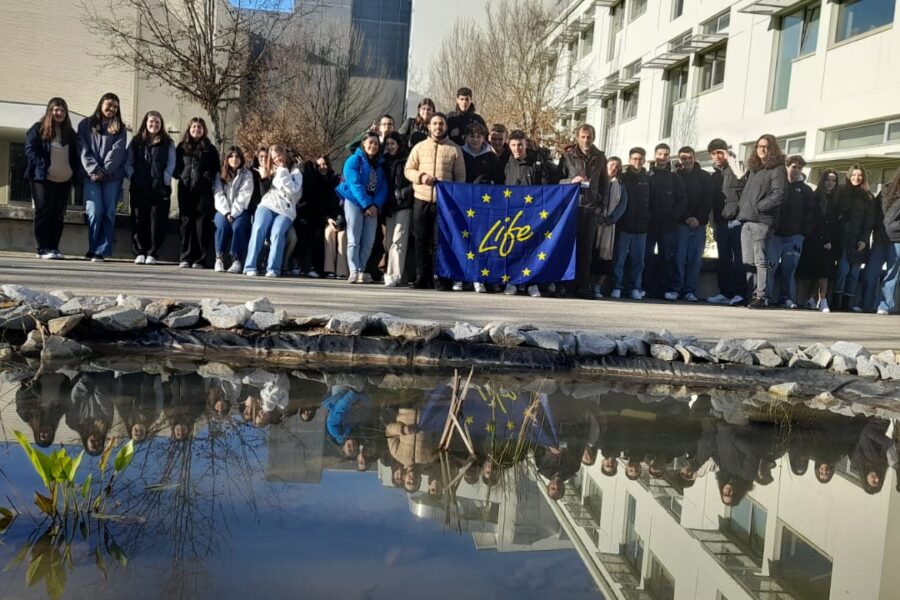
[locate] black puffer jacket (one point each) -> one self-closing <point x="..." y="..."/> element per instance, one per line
<point x="857" y="210"/>
<point x="413" y="133"/>
<point x="528" y="171"/>
<point x="149" y="161"/>
<point x="726" y="202"/>
<point x="698" y="185"/>
<point x="668" y="199"/>
<point x="761" y="193"/>
<point x="890" y="205"/>
<point x="796" y="216"/>
<point x="196" y="168"/>
<point x="318" y="194"/>
<point x="400" y="192"/>
<point x="636" y="218"/>
<point x="457" y="121"/>
<point x="825" y="228"/>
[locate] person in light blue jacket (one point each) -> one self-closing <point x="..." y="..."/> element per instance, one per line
<point x="101" y="140"/>
<point x="364" y="190"/>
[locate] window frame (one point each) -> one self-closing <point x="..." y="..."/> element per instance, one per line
<point x="636" y="5"/>
<point x="886" y="125"/>
<point x="616" y="25"/>
<point x="698" y="60"/>
<point x="681" y="69"/>
<point x="834" y="42"/>
<point x="633" y="99"/>
<point x="716" y="20"/>
<point x="805" y="12"/>
<point x="582" y="53"/>
<point x="677" y="10"/>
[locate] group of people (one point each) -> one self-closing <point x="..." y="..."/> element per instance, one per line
<point x="641" y="228"/>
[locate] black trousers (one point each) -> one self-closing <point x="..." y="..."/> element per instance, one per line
<point x="584" y="249"/>
<point x="50" y="201"/>
<point x="310" y="249"/>
<point x="197" y="211"/>
<point x="149" y="217"/>
<point x="424" y="227"/>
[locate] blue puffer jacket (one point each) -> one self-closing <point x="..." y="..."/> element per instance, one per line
<point x="356" y="179"/>
<point x="38" y="153"/>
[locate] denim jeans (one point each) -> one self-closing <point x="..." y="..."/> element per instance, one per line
<point x="847" y="277"/>
<point x="730" y="270"/>
<point x="888" y="298"/>
<point x="100" y="199"/>
<point x="237" y="233"/>
<point x="629" y="246"/>
<point x="755" y="239"/>
<point x="872" y="276"/>
<point x="665" y="268"/>
<point x="268" y="224"/>
<point x="690" y="248"/>
<point x="360" y="236"/>
<point x="785" y="250"/>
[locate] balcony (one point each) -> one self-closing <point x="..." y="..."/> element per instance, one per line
<point x="691" y="44"/>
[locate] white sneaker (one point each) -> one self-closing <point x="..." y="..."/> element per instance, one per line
<point x="184" y="265"/>
<point x="810" y="304"/>
<point x="352" y="277"/>
<point x="272" y="274"/>
<point x="313" y="274"/>
<point x="150" y="261"/>
<point x="140" y="259"/>
<point x="719" y="299"/>
<point x="295" y="271"/>
<point x="790" y="304"/>
<point x="691" y="298"/>
<point x="615" y="294"/>
<point x="98" y="259"/>
<point x="220" y="266"/>
<point x="235" y="267"/>
<point x="48" y="255"/>
<point x="637" y="295"/>
<point x="534" y="291"/>
<point x="457" y="286"/>
<point x="250" y="273"/>
<point x="598" y="292"/>
<point x="510" y="290"/>
<point x="479" y="288"/>
<point x="389" y="281"/>
<point x="881" y="311"/>
<point x="736" y="300"/>
<point x="671" y="296"/>
<point x="857" y="309"/>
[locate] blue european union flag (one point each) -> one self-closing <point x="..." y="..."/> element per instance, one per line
<point x="519" y="234"/>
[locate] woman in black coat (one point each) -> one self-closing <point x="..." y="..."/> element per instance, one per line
<point x="821" y="250"/>
<point x="890" y="207"/>
<point x="856" y="216"/>
<point x="196" y="166"/>
<point x="415" y="129"/>
<point x="319" y="181"/>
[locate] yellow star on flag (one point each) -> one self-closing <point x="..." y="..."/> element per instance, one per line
<point x="470" y="213"/>
<point x="486" y="198"/>
<point x="528" y="199"/>
<point x="544" y="214"/>
<point x="507" y="193"/>
<point x="526" y="272"/>
<point x="510" y="426"/>
<point x="469" y="420"/>
<point x="548" y="234"/>
<point x="489" y="428"/>
<point x="470" y="255"/>
<point x="542" y="256"/>
<point x="505" y="278"/>
<point x="465" y="234"/>
<point x="485" y="272"/>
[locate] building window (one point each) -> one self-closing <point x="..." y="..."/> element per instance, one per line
<point x="630" y="102"/>
<point x="746" y="526"/>
<point x="384" y="27"/>
<point x="856" y="17"/>
<point x="678" y="43"/>
<point x="616" y="22"/>
<point x="19" y="190"/>
<point x="677" y="78"/>
<point x="638" y="7"/>
<point x="712" y="68"/>
<point x="587" y="41"/>
<point x="659" y="582"/>
<point x="863" y="136"/>
<point x="793" y="145"/>
<point x="581" y="116"/>
<point x="718" y="24"/>
<point x="632" y="71"/>
<point x="797" y="34"/>
<point x="801" y="568"/>
<point x="677" y="8"/>
<point x="633" y="548"/>
<point x="593" y="501"/>
<point x="609" y="111"/>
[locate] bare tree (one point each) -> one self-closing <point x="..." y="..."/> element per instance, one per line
<point x="203" y="49"/>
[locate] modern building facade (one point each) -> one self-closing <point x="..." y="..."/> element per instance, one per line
<point x="820" y="75"/>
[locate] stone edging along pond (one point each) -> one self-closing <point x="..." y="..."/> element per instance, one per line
<point x="58" y="325"/>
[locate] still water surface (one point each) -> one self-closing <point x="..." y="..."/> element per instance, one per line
<point x="274" y="484"/>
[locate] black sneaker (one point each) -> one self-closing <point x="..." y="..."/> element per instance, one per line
<point x="88" y="255"/>
<point x="757" y="303"/>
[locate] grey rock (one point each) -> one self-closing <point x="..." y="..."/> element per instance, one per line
<point x="786" y="352"/>
<point x="642" y="335"/>
<point x="157" y="311"/>
<point x="701" y="353"/>
<point x="786" y="390"/>
<point x="261" y="304"/>
<point x="121" y="318"/>
<point x="5" y="350"/>
<point x="568" y="344"/>
<point x="767" y="357"/>
<point x="63" y="326"/>
<point x="865" y="367"/>
<point x="887" y="357"/>
<point x="34" y="341"/>
<point x="636" y="346"/>
<point x="594" y="344"/>
<point x="814" y="349"/>
<point x="663" y="352"/>
<point x="824" y="401"/>
<point x="505" y="334"/>
<point x="686" y="356"/>
<point x="663" y="336"/>
<point x="19" y="318"/>
<point x="348" y="323"/>
<point x="313" y="321"/>
<point x="420" y="330"/>
<point x="464" y="332"/>
<point x="56" y="347"/>
<point x="264" y="321"/>
<point x="801" y="361"/>
<point x="544" y="338"/>
<point x="63" y="295"/>
<point x="182" y="318"/>
<point x="135" y="302"/>
<point x="843" y="364"/>
<point x="688" y="340"/>
<point x="227" y="317"/>
<point x="87" y="305"/>
<point x="823" y="358"/>
<point x="621" y="348"/>
<point x="890" y="372"/>
<point x="29" y="296"/>
<point x="756" y="345"/>
<point x="208" y="304"/>
<point x="848" y="349"/>
<point x="732" y="351"/>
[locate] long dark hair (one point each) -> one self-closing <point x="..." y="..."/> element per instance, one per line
<point x="144" y="136"/>
<point x="190" y="144"/>
<point x="228" y="173"/>
<point x="891" y="191"/>
<point x="49" y="128"/>
<point x="401" y="142"/>
<point x="775" y="157"/>
<point x="821" y="192"/>
<point x="424" y="102"/>
<point x="115" y="124"/>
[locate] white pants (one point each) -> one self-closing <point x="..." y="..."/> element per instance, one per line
<point x="396" y="238"/>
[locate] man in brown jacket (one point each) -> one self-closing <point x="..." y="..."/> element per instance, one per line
<point x="435" y="159"/>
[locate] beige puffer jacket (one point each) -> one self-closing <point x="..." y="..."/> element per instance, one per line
<point x="442" y="160"/>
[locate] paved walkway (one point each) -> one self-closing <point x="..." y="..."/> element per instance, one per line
<point x="316" y="296"/>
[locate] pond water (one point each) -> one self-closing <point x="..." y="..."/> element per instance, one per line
<point x="320" y="484"/>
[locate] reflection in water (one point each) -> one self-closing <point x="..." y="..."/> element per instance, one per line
<point x="656" y="490"/>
